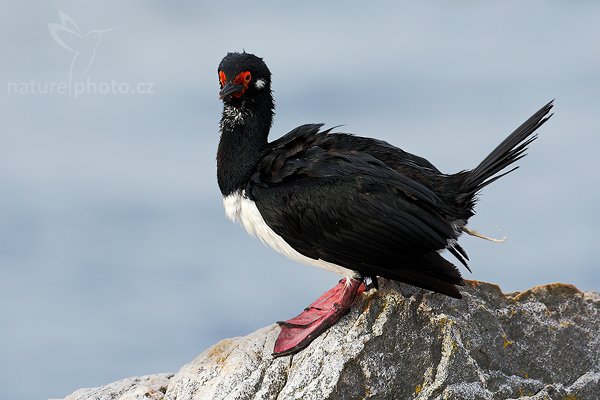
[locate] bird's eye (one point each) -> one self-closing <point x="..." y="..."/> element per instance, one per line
<point x="243" y="78"/>
<point x="222" y="78"/>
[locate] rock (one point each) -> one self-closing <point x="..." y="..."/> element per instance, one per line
<point x="403" y="343"/>
<point x="150" y="387"/>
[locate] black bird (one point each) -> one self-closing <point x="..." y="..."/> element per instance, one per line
<point x="356" y="206"/>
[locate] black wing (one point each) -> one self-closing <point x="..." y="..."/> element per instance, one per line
<point x="336" y="202"/>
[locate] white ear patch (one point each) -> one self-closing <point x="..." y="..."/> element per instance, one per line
<point x="260" y="83"/>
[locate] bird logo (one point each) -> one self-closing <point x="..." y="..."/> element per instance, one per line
<point x="83" y="46"/>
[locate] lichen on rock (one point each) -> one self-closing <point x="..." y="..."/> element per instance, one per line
<point x="404" y="343"/>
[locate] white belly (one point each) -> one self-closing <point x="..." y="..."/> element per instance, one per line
<point x="243" y="210"/>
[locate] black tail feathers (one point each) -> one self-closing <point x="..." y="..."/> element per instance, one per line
<point x="509" y="151"/>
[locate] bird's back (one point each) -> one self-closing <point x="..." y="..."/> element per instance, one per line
<point x="294" y="146"/>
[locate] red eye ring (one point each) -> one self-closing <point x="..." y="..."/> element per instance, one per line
<point x="243" y="78"/>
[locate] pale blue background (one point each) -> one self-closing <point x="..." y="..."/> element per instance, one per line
<point x="115" y="255"/>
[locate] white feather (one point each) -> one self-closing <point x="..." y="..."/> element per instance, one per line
<point x="260" y="83"/>
<point x="234" y="115"/>
<point x="240" y="209"/>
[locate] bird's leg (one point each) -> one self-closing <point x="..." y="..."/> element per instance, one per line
<point x="371" y="282"/>
<point x="300" y="331"/>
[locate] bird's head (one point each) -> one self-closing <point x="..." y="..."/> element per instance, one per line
<point x="243" y="76"/>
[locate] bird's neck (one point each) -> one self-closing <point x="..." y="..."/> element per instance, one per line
<point x="244" y="131"/>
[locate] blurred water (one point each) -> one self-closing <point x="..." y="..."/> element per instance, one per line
<point x="116" y="258"/>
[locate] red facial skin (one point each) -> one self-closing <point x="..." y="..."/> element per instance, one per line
<point x="243" y="78"/>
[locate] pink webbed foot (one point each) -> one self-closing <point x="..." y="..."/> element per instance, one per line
<point x="300" y="331"/>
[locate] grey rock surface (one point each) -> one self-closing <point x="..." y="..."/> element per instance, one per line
<point x="403" y="343"/>
<point x="150" y="387"/>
